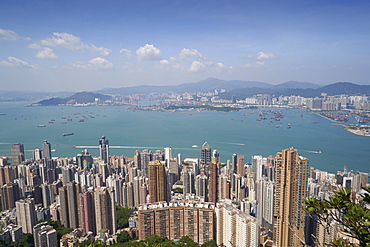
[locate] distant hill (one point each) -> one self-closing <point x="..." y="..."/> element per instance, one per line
<point x="296" y="85"/>
<point x="332" y="89"/>
<point x="208" y="85"/>
<point x="80" y="98"/>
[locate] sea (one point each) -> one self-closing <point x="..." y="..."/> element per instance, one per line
<point x="327" y="145"/>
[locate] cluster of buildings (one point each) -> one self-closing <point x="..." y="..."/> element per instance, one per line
<point x="237" y="203"/>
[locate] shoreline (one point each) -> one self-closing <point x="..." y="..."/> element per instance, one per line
<point x="356" y="131"/>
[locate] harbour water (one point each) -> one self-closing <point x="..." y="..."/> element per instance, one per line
<point x="328" y="147"/>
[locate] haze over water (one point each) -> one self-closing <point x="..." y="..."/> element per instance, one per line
<point x="327" y="146"/>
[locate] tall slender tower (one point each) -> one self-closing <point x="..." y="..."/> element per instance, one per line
<point x="104" y="149"/>
<point x="157" y="181"/>
<point x="17" y="153"/>
<point x="46" y="149"/>
<point x="291" y="184"/>
<point x="206" y="154"/>
<point x="105" y="209"/>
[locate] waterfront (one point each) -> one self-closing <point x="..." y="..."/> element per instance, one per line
<point x="327" y="146"/>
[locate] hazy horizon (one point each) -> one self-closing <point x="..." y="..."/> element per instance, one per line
<point x="91" y="45"/>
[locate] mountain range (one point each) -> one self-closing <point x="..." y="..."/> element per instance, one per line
<point x="208" y="85"/>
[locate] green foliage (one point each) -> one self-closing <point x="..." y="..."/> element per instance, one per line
<point x="123" y="237"/>
<point x="178" y="190"/>
<point x="122" y="215"/>
<point x="353" y="217"/>
<point x="186" y="240"/>
<point x="211" y="243"/>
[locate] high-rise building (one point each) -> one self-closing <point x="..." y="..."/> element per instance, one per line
<point x="46" y="150"/>
<point x="206" y="154"/>
<point x="69" y="205"/>
<point x="137" y="159"/>
<point x="26" y="215"/>
<point x="213" y="182"/>
<point x="201" y="186"/>
<point x="87" y="212"/>
<point x="157" y="181"/>
<point x="291" y="184"/>
<point x="234" y="162"/>
<point x="168" y="155"/>
<point x="45" y="235"/>
<point x="188" y="177"/>
<point x="9" y="194"/>
<point x="105" y="210"/>
<point x="240" y="165"/>
<point x="104" y="149"/>
<point x="37" y="154"/>
<point x="17" y="153"/>
<point x="177" y="219"/>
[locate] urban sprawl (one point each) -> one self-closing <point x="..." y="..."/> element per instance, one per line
<point x="246" y="201"/>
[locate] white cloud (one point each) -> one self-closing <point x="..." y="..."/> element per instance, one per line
<point x="263" y="56"/>
<point x="46" y="53"/>
<point x="70" y="42"/>
<point x="100" y="63"/>
<point x="254" y="65"/>
<point x="95" y="63"/>
<point x="164" y="62"/>
<point x="190" y="53"/>
<point x="10" y="35"/>
<point x="148" y="53"/>
<point x="35" y="46"/>
<point x="65" y="40"/>
<point x="101" y="50"/>
<point x="173" y="59"/>
<point x="15" y="62"/>
<point x="126" y="53"/>
<point x="196" y="66"/>
<point x="219" y="67"/>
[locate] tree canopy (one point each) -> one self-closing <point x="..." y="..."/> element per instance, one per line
<point x="348" y="214"/>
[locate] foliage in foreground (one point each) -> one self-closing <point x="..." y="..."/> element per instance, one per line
<point x="122" y="215"/>
<point x="352" y="216"/>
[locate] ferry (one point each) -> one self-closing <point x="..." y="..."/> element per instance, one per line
<point x="41" y="125"/>
<point x="68" y="134"/>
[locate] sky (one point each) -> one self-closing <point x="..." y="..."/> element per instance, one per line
<point x="87" y="45"/>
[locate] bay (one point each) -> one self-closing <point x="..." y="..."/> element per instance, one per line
<point x="328" y="147"/>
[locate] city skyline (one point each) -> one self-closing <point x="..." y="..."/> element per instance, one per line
<point x="79" y="45"/>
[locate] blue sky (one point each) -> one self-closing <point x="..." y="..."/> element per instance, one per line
<point x="90" y="44"/>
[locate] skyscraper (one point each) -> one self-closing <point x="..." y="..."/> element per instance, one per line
<point x="157" y="181"/>
<point x="17" y="153"/>
<point x="291" y="183"/>
<point x="104" y="149"/>
<point x="26" y="215"/>
<point x="206" y="154"/>
<point x="105" y="209"/>
<point x="46" y="149"/>
<point x="87" y="212"/>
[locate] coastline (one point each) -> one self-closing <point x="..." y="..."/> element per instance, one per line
<point x="354" y="130"/>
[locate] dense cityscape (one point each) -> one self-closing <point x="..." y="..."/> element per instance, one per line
<point x="243" y="202"/>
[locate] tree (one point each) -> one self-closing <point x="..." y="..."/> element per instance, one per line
<point x="123" y="237"/>
<point x="352" y="216"/>
<point x="122" y="215"/>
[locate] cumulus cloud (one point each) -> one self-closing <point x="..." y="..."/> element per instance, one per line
<point x="126" y="53"/>
<point x="100" y="63"/>
<point x="263" y="56"/>
<point x="101" y="50"/>
<point x="10" y="35"/>
<point x="46" y="53"/>
<point x="219" y="67"/>
<point x="15" y="62"/>
<point x="164" y="62"/>
<point x="190" y="53"/>
<point x="70" y="42"/>
<point x="197" y="66"/>
<point x="65" y="40"/>
<point x="148" y="53"/>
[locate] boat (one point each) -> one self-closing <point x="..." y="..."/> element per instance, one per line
<point x="81" y="120"/>
<point x="68" y="134"/>
<point x="194" y="146"/>
<point x="277" y="126"/>
<point x="41" y="125"/>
